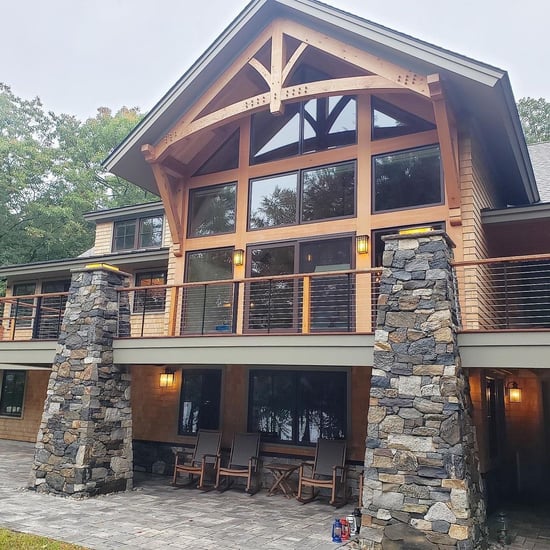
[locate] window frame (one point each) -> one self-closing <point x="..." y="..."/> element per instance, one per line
<point x="299" y="195"/>
<point x="296" y="373"/>
<point x="139" y="222"/>
<point x="219" y="371"/>
<point x="141" y="307"/>
<point x="207" y="188"/>
<point x="21" y="406"/>
<point x="22" y="319"/>
<point x="374" y="210"/>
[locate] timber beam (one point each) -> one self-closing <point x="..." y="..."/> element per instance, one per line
<point x="448" y="143"/>
<point x="171" y="195"/>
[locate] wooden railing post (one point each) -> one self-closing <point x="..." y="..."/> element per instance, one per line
<point x="306" y="305"/>
<point x="173" y="314"/>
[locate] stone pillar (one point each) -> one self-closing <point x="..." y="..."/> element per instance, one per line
<point x="422" y="481"/>
<point x="84" y="445"/>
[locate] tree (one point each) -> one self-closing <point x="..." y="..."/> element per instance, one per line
<point x="535" y="119"/>
<point x="50" y="175"/>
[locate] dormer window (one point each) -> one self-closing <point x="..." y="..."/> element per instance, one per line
<point x="138" y="233"/>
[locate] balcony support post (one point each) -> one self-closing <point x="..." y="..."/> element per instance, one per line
<point x="84" y="444"/>
<point x="420" y="424"/>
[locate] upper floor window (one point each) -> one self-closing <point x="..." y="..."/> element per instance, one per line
<point x="150" y="299"/>
<point x="407" y="179"/>
<point x="12" y="391"/>
<point x="308" y="195"/>
<point x="390" y="121"/>
<point x="212" y="210"/>
<point x="23" y="313"/>
<point x="208" y="308"/>
<point x="138" y="233"/>
<point x="314" y="125"/>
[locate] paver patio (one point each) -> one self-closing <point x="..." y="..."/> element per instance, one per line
<point x="155" y="515"/>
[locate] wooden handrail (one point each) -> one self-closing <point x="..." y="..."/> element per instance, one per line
<point x="292" y="276"/>
<point x="502" y="259"/>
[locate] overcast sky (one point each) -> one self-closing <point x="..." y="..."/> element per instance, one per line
<point x="78" y="55"/>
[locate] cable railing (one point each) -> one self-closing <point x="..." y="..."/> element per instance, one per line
<point x="328" y="302"/>
<point x="32" y="317"/>
<point x="511" y="293"/>
<point x="494" y="294"/>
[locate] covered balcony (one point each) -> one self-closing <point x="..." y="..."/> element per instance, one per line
<point x="495" y="294"/>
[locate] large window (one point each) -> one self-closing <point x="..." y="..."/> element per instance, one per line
<point x="200" y="401"/>
<point x="298" y="407"/>
<point x="209" y="307"/>
<point x="314" y="125"/>
<point x="22" y="308"/>
<point x="212" y="210"/>
<point x="12" y="391"/>
<point x="315" y="194"/>
<point x="275" y="304"/>
<point x="407" y="179"/>
<point x="138" y="233"/>
<point x="151" y="299"/>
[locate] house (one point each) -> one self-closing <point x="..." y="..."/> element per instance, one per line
<point x="303" y="152"/>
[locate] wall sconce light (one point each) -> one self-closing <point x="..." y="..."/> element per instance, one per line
<point x="238" y="256"/>
<point x="362" y="244"/>
<point x="514" y="392"/>
<point x="166" y="378"/>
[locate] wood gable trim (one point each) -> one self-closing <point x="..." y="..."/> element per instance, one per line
<point x="380" y="75"/>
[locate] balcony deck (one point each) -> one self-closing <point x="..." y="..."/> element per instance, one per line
<point x="307" y="319"/>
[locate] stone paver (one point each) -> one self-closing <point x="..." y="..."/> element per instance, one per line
<point x="155" y="515"/>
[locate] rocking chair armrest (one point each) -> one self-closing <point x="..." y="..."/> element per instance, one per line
<point x="343" y="469"/>
<point x="306" y="464"/>
<point x="253" y="463"/>
<point x="180" y="455"/>
<point x="215" y="457"/>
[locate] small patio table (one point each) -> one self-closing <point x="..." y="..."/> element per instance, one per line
<point x="281" y="476"/>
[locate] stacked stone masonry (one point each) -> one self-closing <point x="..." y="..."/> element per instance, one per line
<point x="422" y="482"/>
<point x="84" y="445"/>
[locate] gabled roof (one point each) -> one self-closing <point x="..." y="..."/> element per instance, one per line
<point x="476" y="90"/>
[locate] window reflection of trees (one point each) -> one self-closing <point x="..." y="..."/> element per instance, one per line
<point x="212" y="210"/>
<point x="298" y="406"/>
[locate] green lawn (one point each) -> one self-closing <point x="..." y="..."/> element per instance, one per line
<point x="22" y="541"/>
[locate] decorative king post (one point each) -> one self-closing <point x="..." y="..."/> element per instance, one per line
<point x="422" y="482"/>
<point x="84" y="445"/>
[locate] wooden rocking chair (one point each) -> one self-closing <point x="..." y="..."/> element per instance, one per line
<point x="328" y="471"/>
<point x="243" y="462"/>
<point x="204" y="459"/>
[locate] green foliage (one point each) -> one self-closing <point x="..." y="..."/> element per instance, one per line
<point x="50" y="175"/>
<point x="535" y="119"/>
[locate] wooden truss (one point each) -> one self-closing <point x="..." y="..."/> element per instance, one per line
<point x="288" y="42"/>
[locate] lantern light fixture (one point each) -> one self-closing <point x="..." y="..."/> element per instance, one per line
<point x="167" y="378"/>
<point x="238" y="256"/>
<point x="514" y="392"/>
<point x="362" y="244"/>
